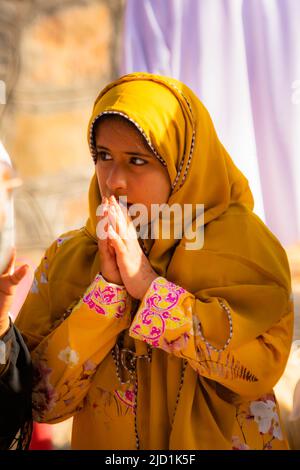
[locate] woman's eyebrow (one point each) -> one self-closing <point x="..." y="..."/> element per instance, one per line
<point x="102" y="147"/>
<point x="139" y="154"/>
<point x="136" y="154"/>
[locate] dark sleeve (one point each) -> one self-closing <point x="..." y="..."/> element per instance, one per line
<point x="15" y="393"/>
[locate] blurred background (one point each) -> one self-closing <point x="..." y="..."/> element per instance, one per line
<point x="241" y="57"/>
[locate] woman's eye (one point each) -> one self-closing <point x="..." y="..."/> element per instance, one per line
<point x="138" y="161"/>
<point x="104" y="156"/>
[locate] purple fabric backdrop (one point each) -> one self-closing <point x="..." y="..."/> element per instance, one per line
<point x="242" y="58"/>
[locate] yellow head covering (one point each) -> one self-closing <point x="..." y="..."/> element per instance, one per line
<point x="180" y="132"/>
<point x="241" y="261"/>
<point x="238" y="247"/>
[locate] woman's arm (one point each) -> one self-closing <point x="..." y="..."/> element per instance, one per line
<point x="227" y="336"/>
<point x="66" y="360"/>
<point x="66" y="348"/>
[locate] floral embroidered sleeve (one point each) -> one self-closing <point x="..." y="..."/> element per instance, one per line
<point x="213" y="337"/>
<point x="66" y="360"/>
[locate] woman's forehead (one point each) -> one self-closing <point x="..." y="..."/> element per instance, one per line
<point x="117" y="130"/>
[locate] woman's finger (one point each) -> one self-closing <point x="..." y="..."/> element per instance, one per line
<point x="120" y="209"/>
<point x="102" y="209"/>
<point x="19" y="274"/>
<point x="126" y="220"/>
<point x="102" y="221"/>
<point x="110" y="248"/>
<point x="115" y="221"/>
<point x="120" y="214"/>
<point x="116" y="241"/>
<point x="103" y="243"/>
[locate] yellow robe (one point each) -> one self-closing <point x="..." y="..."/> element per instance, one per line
<point x="189" y="396"/>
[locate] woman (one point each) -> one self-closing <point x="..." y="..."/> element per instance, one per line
<point x="148" y="343"/>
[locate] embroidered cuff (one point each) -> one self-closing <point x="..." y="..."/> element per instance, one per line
<point x="107" y="298"/>
<point x="160" y="313"/>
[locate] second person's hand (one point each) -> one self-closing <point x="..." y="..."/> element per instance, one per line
<point x="9" y="280"/>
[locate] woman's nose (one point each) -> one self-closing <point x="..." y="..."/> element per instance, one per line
<point x="116" y="179"/>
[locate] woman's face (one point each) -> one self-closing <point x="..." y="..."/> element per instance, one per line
<point x="126" y="166"/>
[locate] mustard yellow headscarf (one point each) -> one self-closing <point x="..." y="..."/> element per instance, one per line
<point x="238" y="248"/>
<point x="179" y="130"/>
<point x="241" y="261"/>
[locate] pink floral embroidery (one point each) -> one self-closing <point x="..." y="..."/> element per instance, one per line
<point x="45" y="397"/>
<point x="106" y="299"/>
<point x="89" y="366"/>
<point x="127" y="397"/>
<point x="158" y="313"/>
<point x="177" y="344"/>
<point x="43" y="393"/>
<point x="238" y="445"/>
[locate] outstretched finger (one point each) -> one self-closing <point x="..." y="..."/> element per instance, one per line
<point x="19" y="274"/>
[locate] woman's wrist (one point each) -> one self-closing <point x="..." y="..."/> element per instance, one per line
<point x="111" y="280"/>
<point x="146" y="283"/>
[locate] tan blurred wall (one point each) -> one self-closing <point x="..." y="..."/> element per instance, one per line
<point x="55" y="57"/>
<point x="59" y="55"/>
